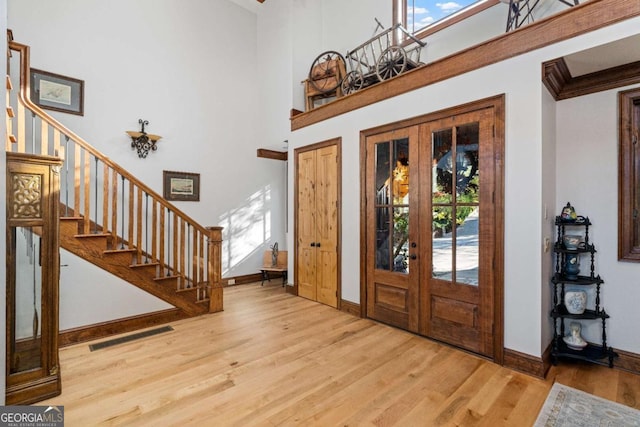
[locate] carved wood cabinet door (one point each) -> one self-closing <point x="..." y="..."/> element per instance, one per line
<point x="32" y="197"/>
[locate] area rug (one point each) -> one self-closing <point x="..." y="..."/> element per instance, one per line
<point x="568" y="407"/>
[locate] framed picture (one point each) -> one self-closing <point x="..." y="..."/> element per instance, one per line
<point x="181" y="186"/>
<point x="57" y="92"/>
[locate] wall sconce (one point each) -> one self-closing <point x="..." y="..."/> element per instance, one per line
<point x="142" y="141"/>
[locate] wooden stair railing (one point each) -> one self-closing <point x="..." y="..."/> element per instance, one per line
<point x="182" y="259"/>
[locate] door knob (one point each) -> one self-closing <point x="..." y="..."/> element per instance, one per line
<point x="413" y="256"/>
<point x="318" y="245"/>
<point x="313" y="244"/>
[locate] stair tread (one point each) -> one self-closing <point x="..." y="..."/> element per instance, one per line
<point x="118" y="251"/>
<point x="186" y="290"/>
<point x="87" y="236"/>
<point x="70" y="218"/>
<point x="166" y="278"/>
<point x="148" y="264"/>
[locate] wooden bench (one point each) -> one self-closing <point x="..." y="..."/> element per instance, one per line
<point x="268" y="267"/>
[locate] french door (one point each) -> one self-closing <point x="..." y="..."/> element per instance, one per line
<point x="392" y="219"/>
<point x="431" y="228"/>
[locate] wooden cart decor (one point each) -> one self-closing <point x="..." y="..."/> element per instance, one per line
<point x="374" y="61"/>
<point x="325" y="78"/>
<point x="378" y="59"/>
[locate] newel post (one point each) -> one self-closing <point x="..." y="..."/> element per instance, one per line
<point x="214" y="268"/>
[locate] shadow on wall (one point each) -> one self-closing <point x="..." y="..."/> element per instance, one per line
<point x="247" y="234"/>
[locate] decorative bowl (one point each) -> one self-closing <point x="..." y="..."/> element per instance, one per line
<point x="571" y="241"/>
<point x="575" y="301"/>
<point x="574" y="344"/>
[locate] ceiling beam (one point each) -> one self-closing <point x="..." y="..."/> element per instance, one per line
<point x="272" y="154"/>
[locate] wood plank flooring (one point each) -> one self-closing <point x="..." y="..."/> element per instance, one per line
<point x="275" y="359"/>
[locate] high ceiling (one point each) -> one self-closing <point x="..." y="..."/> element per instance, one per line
<point x="251" y="5"/>
<point x="620" y="52"/>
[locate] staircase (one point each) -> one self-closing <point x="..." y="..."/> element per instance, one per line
<point x="111" y="219"/>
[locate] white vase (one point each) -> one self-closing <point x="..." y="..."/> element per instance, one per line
<point x="575" y="301"/>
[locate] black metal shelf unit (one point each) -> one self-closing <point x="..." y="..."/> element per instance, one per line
<point x="599" y="353"/>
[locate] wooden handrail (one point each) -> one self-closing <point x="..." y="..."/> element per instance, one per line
<point x="25" y="98"/>
<point x="171" y="248"/>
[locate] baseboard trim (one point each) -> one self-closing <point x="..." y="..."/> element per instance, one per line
<point x="350" y="307"/>
<point x="627" y="361"/>
<point x="292" y="289"/>
<point x="100" y="330"/>
<point x="526" y="363"/>
<point x="244" y="279"/>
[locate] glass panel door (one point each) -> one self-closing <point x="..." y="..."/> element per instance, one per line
<point x="392" y="228"/>
<point x="25" y="337"/>
<point x="455" y="203"/>
<point x="392" y="205"/>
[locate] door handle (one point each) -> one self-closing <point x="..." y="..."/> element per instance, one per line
<point x="318" y="245"/>
<point x="313" y="244"/>
<point x="413" y="256"/>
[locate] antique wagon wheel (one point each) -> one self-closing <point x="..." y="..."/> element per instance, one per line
<point x="352" y="82"/>
<point x="326" y="72"/>
<point x="392" y="61"/>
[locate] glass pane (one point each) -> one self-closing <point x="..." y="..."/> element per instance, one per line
<point x="26" y="319"/>
<point x="467" y="172"/>
<point x="442" y="164"/>
<point x="442" y="243"/>
<point x="467" y="245"/>
<point x="423" y="13"/>
<point x="401" y="171"/>
<point x="383" y="245"/>
<point x="467" y="200"/>
<point x="401" y="240"/>
<point x="382" y="174"/>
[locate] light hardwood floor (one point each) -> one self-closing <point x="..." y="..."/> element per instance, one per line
<point x="274" y="359"/>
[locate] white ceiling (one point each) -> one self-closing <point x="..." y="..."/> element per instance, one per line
<point x="620" y="52"/>
<point x="251" y="5"/>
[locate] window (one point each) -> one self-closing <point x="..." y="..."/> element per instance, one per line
<point x="629" y="176"/>
<point x="424" y="17"/>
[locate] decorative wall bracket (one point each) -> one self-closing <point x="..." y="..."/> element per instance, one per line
<point x="143" y="142"/>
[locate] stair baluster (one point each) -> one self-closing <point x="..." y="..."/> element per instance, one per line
<point x="95" y="197"/>
<point x="66" y="177"/>
<point x="183" y="276"/>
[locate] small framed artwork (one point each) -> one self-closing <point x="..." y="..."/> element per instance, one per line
<point x="57" y="92"/>
<point x="181" y="186"/>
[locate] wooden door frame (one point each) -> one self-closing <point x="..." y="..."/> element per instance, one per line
<point x="338" y="143"/>
<point x="498" y="104"/>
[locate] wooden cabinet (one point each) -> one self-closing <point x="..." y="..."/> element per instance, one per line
<point x="33" y="270"/>
<point x="317" y="222"/>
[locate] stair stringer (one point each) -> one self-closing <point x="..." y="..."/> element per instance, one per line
<point x="94" y="249"/>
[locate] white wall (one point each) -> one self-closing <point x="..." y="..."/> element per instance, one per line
<point x="548" y="212"/>
<point x="164" y="62"/>
<point x="587" y="176"/>
<point x="192" y="72"/>
<point x="528" y="185"/>
<point x="82" y="282"/>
